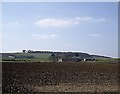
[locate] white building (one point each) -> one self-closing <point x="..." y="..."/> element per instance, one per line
<point x="60" y="60"/>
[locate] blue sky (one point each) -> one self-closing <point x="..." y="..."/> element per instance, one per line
<point x="84" y="27"/>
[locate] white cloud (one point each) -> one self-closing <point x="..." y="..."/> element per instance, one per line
<point x="14" y="24"/>
<point x="64" y="22"/>
<point x="94" y="35"/>
<point x="48" y="22"/>
<point x="99" y="20"/>
<point x="44" y="37"/>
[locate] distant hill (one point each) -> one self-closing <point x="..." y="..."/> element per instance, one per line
<point x="49" y="56"/>
<point x="98" y="56"/>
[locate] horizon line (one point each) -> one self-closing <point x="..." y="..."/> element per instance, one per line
<point x="21" y="51"/>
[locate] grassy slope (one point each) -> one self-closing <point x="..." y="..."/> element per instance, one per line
<point x="37" y="56"/>
<point x="45" y="57"/>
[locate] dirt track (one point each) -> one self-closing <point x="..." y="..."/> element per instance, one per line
<point x="59" y="77"/>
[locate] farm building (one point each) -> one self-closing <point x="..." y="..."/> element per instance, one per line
<point x="60" y="60"/>
<point x="74" y="59"/>
<point x="89" y="59"/>
<point x="11" y="56"/>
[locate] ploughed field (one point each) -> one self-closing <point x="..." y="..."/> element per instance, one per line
<point x="59" y="77"/>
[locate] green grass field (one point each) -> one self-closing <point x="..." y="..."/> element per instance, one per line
<point x="45" y="57"/>
<point x="37" y="57"/>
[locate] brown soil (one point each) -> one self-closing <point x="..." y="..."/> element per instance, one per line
<point x="59" y="77"/>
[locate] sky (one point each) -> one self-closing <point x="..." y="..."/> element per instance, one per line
<point x="60" y="0"/>
<point x="67" y="26"/>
